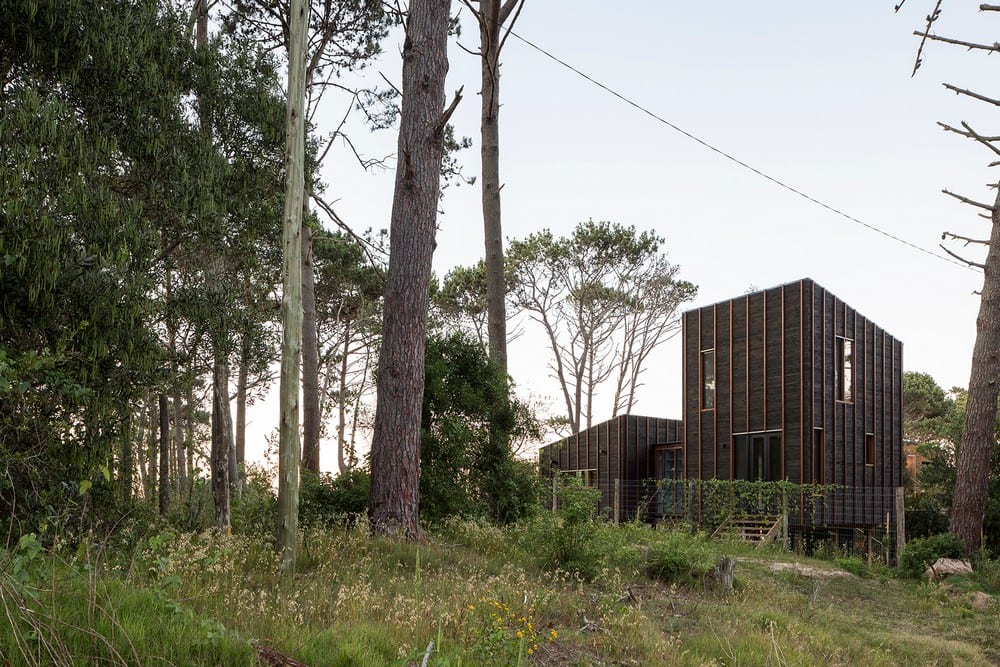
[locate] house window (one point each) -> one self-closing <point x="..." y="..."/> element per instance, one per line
<point x="669" y="481"/>
<point x="586" y="477"/>
<point x="758" y="456"/>
<point x="869" y="449"/>
<point x="707" y="379"/>
<point x="819" y="457"/>
<point x="845" y="369"/>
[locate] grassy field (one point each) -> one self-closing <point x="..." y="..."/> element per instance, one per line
<point x="474" y="594"/>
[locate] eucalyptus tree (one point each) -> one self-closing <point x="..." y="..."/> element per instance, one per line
<point x="604" y="298"/>
<point x="395" y="455"/>
<point x="341" y="36"/>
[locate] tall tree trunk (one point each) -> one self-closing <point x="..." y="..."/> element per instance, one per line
<point x="311" y="423"/>
<point x="164" y="412"/>
<point x="395" y="456"/>
<point x="152" y="449"/>
<point x="289" y="449"/>
<point x="189" y="430"/>
<point x="126" y="463"/>
<point x="178" y="453"/>
<point x="241" y="408"/>
<point x="496" y="292"/>
<point x="220" y="444"/>
<point x="235" y="484"/>
<point x="341" y="400"/>
<point x="141" y="448"/>
<point x="979" y="436"/>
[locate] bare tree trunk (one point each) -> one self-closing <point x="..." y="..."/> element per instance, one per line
<point x="496" y="292"/>
<point x="220" y="444"/>
<point x="164" y="454"/>
<point x="126" y="463"/>
<point x="152" y="450"/>
<point x="394" y="500"/>
<point x="968" y="506"/>
<point x="241" y="408"/>
<point x="341" y="403"/>
<point x="235" y="484"/>
<point x="289" y="450"/>
<point x="141" y="448"/>
<point x="311" y="423"/>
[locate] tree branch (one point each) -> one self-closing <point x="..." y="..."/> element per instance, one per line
<point x="966" y="200"/>
<point x="931" y="18"/>
<point x="958" y="237"/>
<point x="958" y="42"/>
<point x="972" y="134"/>
<point x="989" y="8"/>
<point x="446" y="116"/>
<point x="963" y="91"/>
<point x="962" y="259"/>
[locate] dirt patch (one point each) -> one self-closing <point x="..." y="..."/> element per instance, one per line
<point x="807" y="571"/>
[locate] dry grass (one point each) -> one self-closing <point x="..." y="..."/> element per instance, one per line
<point x="477" y="592"/>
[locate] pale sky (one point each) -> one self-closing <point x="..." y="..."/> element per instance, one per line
<point x="816" y="95"/>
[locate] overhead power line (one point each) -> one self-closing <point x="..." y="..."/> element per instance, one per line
<point x="731" y="158"/>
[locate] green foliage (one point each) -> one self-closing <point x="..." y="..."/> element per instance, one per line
<point x="680" y="557"/>
<point x="566" y="538"/>
<point x="253" y="509"/>
<point x="921" y="553"/>
<point x="935" y="420"/>
<point x="325" y="499"/>
<point x="463" y="470"/>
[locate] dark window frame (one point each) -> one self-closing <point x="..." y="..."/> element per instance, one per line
<point x="844" y="369"/>
<point x="707" y="394"/>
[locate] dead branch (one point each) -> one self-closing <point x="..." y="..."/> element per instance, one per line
<point x="446" y="116"/>
<point x="989" y="8"/>
<point x="391" y="84"/>
<point x="365" y="245"/>
<point x="510" y="26"/>
<point x="962" y="259"/>
<point x="966" y="200"/>
<point x="974" y="95"/>
<point x="931" y="18"/>
<point x="958" y="42"/>
<point x="949" y="128"/>
<point x="972" y="134"/>
<point x="959" y="237"/>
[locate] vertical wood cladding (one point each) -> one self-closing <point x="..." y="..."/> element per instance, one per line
<point x="622" y="449"/>
<point x="778" y="365"/>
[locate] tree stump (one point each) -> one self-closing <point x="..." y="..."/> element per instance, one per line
<point x="720" y="577"/>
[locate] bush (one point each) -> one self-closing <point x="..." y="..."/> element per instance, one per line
<point x="254" y="509"/>
<point x="680" y="557"/>
<point x="921" y="553"/>
<point x="325" y="499"/>
<point x="565" y="539"/>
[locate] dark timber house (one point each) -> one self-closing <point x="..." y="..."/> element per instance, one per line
<point x="788" y="383"/>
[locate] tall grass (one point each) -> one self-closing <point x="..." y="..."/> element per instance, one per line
<point x="477" y="594"/>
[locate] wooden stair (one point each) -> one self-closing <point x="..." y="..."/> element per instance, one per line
<point x="760" y="529"/>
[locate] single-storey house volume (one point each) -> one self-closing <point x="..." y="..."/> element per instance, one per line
<point x="788" y="383"/>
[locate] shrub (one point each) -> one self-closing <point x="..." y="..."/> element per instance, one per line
<point x="921" y="553"/>
<point x="324" y="499"/>
<point x="565" y="539"/>
<point x="680" y="557"/>
<point x="254" y="509"/>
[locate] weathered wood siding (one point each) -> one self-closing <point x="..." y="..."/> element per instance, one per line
<point x="775" y="355"/>
<point x="620" y="448"/>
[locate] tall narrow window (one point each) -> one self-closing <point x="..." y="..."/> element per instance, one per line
<point x="845" y="369"/>
<point x="819" y="457"/>
<point x="869" y="449"/>
<point x="707" y="379"/>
